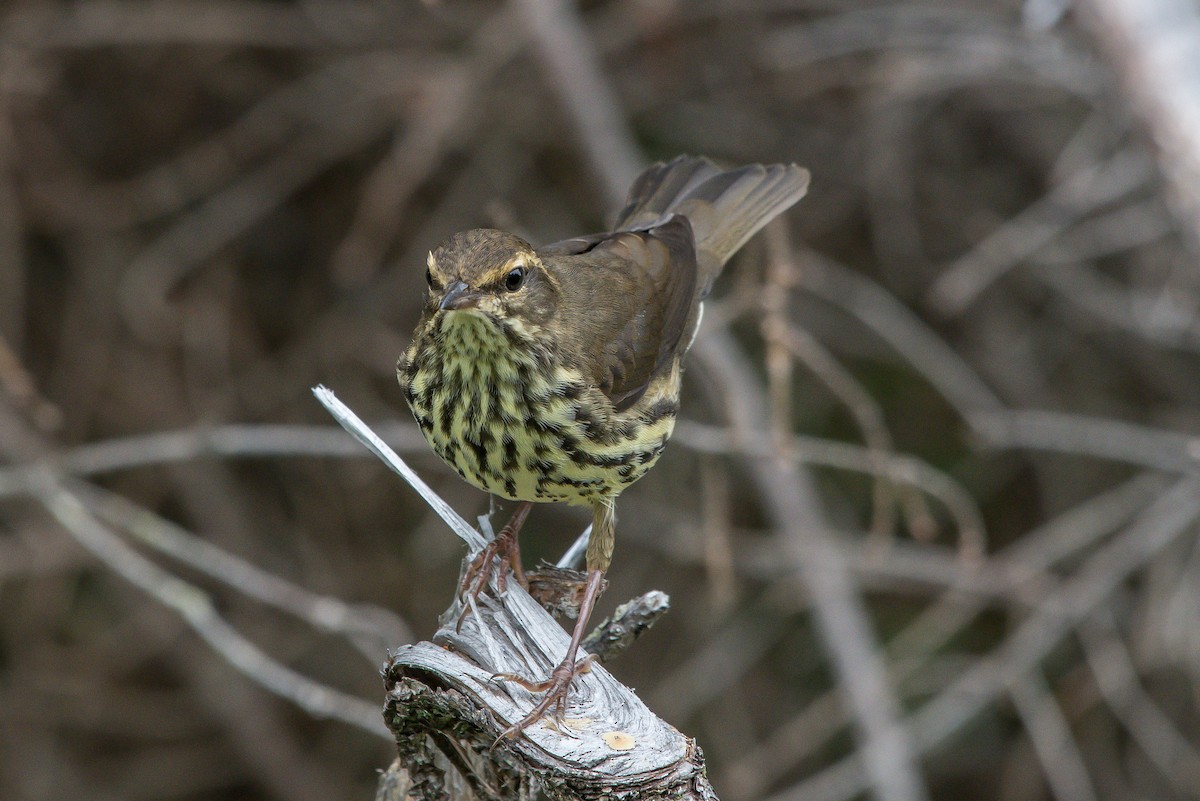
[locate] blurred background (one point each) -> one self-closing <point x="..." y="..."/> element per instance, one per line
<point x="978" y="576"/>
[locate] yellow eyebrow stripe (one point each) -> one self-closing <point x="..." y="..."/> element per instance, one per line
<point x="497" y="275"/>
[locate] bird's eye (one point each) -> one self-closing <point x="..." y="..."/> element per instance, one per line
<point x="514" y="279"/>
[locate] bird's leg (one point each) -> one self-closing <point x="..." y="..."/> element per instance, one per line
<point x="506" y="547"/>
<point x="556" y="686"/>
<point x="558" y="683"/>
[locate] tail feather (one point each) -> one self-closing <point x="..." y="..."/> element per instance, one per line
<point x="725" y="207"/>
<point x="661" y="185"/>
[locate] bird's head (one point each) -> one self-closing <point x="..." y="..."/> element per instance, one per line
<point x="491" y="273"/>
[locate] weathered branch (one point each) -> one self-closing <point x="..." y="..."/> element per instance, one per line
<point x="448" y="706"/>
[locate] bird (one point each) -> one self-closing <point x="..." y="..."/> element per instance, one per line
<point x="552" y="373"/>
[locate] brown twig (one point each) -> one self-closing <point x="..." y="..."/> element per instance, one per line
<point x="846" y="634"/>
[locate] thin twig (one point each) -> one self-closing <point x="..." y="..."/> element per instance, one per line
<point x="351" y="422"/>
<point x="786" y="343"/>
<point x="1171" y="751"/>
<point x="229" y="441"/>
<point x="371" y="628"/>
<point x="1094" y="437"/>
<point x="896" y="467"/>
<point x="845" y="629"/>
<point x="1063" y="765"/>
<point x="199" y="612"/>
<point x="1023" y="235"/>
<point x="573" y="67"/>
<point x="1160" y="525"/>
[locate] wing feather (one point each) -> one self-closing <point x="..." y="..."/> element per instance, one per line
<point x="645" y="283"/>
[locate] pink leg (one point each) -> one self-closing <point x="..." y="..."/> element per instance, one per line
<point x="559" y="682"/>
<point x="505" y="547"/>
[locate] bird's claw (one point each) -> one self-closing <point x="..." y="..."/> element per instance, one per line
<point x="555" y="687"/>
<point x="504" y="548"/>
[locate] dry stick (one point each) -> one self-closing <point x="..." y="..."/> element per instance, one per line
<point x="1175" y="756"/>
<point x="1155" y="46"/>
<point x="1050" y="733"/>
<point x="625" y="625"/>
<point x="1163" y="317"/>
<point x="243" y="441"/>
<point x="198" y="611"/>
<point x="805" y="348"/>
<point x="168" y="22"/>
<point x="715" y="527"/>
<point x="573" y="67"/>
<point x="350" y="421"/>
<point x="896" y="325"/>
<point x="371" y="629"/>
<point x="439" y="122"/>
<point x="841" y="618"/>
<point x="1172" y="514"/>
<point x="238" y="440"/>
<point x="778" y="362"/>
<point x="1020" y="237"/>
<point x="1081" y="435"/>
<point x="786" y="342"/>
<point x="1130" y="226"/>
<point x="1022" y="564"/>
<point x="613" y="745"/>
<point x="899" y="468"/>
<point x="268" y="126"/>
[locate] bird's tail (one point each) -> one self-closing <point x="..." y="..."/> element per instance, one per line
<point x="725" y="207"/>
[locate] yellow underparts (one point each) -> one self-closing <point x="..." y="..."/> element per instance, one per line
<point x="513" y="421"/>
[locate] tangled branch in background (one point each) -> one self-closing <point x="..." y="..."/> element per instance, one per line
<point x="944" y="418"/>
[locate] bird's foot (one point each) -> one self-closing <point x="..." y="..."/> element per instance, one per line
<point x="498" y="557"/>
<point x="555" y="687"/>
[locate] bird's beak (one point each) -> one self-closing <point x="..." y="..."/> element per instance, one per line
<point x="458" y="296"/>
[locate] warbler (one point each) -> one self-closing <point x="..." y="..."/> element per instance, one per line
<point x="553" y="373"/>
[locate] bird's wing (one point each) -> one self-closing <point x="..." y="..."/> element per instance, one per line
<point x="632" y="297"/>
